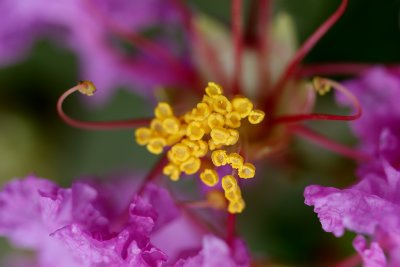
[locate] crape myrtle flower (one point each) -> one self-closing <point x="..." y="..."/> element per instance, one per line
<point x="370" y="207"/>
<point x="220" y="133"/>
<point x="100" y="33"/>
<point x="100" y="224"/>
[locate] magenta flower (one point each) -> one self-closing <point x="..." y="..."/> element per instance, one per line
<point x="377" y="90"/>
<point x="371" y="207"/>
<point x="94" y="224"/>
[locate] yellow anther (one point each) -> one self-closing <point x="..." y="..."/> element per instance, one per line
<point x="195" y="131"/>
<point x="320" y="86"/>
<point x="236" y="206"/>
<point x="233" y="137"/>
<point x="171" y="125"/>
<point x="229" y="183"/>
<point x="157" y="126"/>
<point x="142" y="136"/>
<point x="247" y="171"/>
<point x="213" y="89"/>
<point x="163" y="110"/>
<point x="216" y="120"/>
<point x="219" y="158"/>
<point x="216" y="199"/>
<point x="212" y="145"/>
<point x="156" y="145"/>
<point x="201" y="112"/>
<point x="221" y="104"/>
<point x="191" y="166"/>
<point x="180" y="153"/>
<point x="256" y="116"/>
<point x="232" y="119"/>
<point x="242" y="105"/>
<point x="220" y="136"/>
<point x="233" y="195"/>
<point x="202" y="149"/>
<point x="235" y="160"/>
<point x="175" y="138"/>
<point x="193" y="145"/>
<point x="172" y="171"/>
<point x="208" y="100"/>
<point x="86" y="88"/>
<point x="209" y="177"/>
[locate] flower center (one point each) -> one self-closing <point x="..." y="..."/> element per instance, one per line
<point x="205" y="133"/>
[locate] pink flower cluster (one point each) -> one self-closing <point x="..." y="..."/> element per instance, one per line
<point x="95" y="224"/>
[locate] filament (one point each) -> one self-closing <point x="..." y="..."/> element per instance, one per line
<point x="319" y="116"/>
<point x="329" y="144"/>
<point x="237" y="34"/>
<point x="307" y="46"/>
<point x="94" y="125"/>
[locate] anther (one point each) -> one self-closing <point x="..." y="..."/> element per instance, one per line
<point x="191" y="166"/>
<point x="142" y="136"/>
<point x="156" y="145"/>
<point x="180" y="153"/>
<point x="235" y="160"/>
<point x="171" y="125"/>
<point x="242" y="105"/>
<point x="220" y="136"/>
<point x="163" y="110"/>
<point x="216" y="120"/>
<point x="232" y="119"/>
<point x="247" y="171"/>
<point x="219" y="158"/>
<point x="221" y="104"/>
<point x="256" y="116"/>
<point x="321" y="86"/>
<point x="213" y="89"/>
<point x="172" y="171"/>
<point x="229" y="183"/>
<point x="87" y="88"/>
<point x="195" y="131"/>
<point x="209" y="177"/>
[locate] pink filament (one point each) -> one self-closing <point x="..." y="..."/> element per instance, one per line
<point x="329" y="144"/>
<point x="317" y="116"/>
<point x="307" y="46"/>
<point x="237" y="34"/>
<point x="92" y="125"/>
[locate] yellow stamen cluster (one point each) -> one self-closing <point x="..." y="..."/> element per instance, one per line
<point x="211" y="125"/>
<point x="320" y="86"/>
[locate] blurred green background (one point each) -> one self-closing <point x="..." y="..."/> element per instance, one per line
<point x="276" y="224"/>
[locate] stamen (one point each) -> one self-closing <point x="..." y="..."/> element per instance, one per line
<point x="306" y="47"/>
<point x="321" y="86"/>
<point x="88" y="88"/>
<point x="209" y="177"/>
<point x="329" y="144"/>
<point x="210" y="125"/>
<point x="237" y="34"/>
